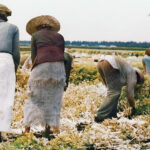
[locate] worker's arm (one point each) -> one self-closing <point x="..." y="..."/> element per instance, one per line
<point x="144" y="67"/>
<point x="131" y="99"/>
<point x="102" y="77"/>
<point x="131" y="83"/>
<point x="16" y="50"/>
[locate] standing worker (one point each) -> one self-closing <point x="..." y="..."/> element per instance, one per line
<point x="47" y="80"/>
<point x="116" y="73"/>
<point x="146" y="62"/>
<point x="9" y="61"/>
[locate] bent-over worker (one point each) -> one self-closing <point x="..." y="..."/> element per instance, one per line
<point x="116" y="73"/>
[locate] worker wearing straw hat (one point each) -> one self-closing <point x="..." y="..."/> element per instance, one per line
<point x="9" y="61"/>
<point x="116" y="73"/>
<point x="47" y="80"/>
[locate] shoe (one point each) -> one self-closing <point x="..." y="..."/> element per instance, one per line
<point x="98" y="120"/>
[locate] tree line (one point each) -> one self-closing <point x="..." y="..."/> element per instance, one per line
<point x="99" y="44"/>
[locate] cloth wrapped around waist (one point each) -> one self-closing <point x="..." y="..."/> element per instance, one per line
<point x="49" y="54"/>
<point x="49" y="72"/>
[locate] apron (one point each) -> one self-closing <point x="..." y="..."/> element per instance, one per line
<point x="7" y="90"/>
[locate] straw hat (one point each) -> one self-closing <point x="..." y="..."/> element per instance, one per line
<point x="42" y="20"/>
<point x="4" y="9"/>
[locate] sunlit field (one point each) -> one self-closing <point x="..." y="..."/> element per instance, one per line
<point x="80" y="103"/>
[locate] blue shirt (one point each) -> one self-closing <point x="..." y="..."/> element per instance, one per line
<point x="9" y="40"/>
<point x="146" y="60"/>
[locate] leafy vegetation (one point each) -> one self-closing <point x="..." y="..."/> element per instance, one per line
<point x="107" y="52"/>
<point x="87" y="73"/>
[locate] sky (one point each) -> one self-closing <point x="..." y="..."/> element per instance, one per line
<point x="87" y="20"/>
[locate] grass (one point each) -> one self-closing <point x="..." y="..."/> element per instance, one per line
<point x="124" y="53"/>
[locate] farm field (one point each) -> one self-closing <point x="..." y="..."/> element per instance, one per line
<point x="80" y="103"/>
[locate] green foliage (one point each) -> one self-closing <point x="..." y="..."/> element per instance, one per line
<point x="108" y="48"/>
<point x="142" y="98"/>
<point x="125" y="53"/>
<point x="84" y="72"/>
<point x="25" y="142"/>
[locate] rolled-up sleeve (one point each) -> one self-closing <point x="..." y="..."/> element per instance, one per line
<point x="16" y="50"/>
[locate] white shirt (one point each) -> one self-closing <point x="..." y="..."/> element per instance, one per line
<point x="111" y="59"/>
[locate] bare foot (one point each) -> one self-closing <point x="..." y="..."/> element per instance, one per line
<point x="27" y="129"/>
<point x="49" y="133"/>
<point x="3" y="136"/>
<point x="47" y="130"/>
<point x="56" y="130"/>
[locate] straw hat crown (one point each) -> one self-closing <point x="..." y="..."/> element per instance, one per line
<point x="46" y="20"/>
<point x="4" y="9"/>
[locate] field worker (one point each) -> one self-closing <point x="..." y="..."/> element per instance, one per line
<point x="9" y="61"/>
<point x="47" y="80"/>
<point x="146" y="62"/>
<point x="68" y="66"/>
<point x="116" y="73"/>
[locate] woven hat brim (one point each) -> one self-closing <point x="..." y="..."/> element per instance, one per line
<point x="4" y="9"/>
<point x="47" y="20"/>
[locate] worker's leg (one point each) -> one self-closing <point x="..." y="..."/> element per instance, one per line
<point x="108" y="108"/>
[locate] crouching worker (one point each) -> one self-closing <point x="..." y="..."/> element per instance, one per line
<point x="116" y="73"/>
